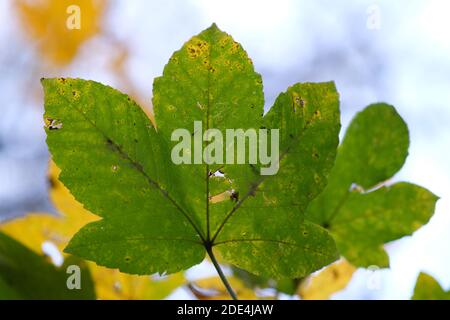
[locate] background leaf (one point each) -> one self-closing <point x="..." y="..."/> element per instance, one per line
<point x="427" y="288"/>
<point x="36" y="229"/>
<point x="326" y="282"/>
<point x="27" y="275"/>
<point x="360" y="214"/>
<point x="45" y="23"/>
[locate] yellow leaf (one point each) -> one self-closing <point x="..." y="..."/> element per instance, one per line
<point x="50" y="23"/>
<point x="113" y="285"/>
<point x="330" y="280"/>
<point x="35" y="229"/>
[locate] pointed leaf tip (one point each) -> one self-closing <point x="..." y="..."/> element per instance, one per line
<point x="43" y="80"/>
<point x="214" y="28"/>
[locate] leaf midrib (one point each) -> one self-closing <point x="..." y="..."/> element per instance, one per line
<point x="258" y="182"/>
<point x="207" y="127"/>
<point x="141" y="170"/>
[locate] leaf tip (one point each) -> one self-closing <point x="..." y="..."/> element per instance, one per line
<point x="43" y="81"/>
<point x="214" y="28"/>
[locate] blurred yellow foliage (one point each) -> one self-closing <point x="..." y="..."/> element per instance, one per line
<point x="330" y="280"/>
<point x="111" y="284"/>
<point x="45" y="21"/>
<point x="35" y="229"/>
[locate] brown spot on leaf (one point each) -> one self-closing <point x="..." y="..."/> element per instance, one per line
<point x="197" y="48"/>
<point x="317" y="114"/>
<point x="76" y="94"/>
<point x="234" y="196"/>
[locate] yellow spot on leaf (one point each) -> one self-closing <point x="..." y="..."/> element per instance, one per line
<point x="234" y="47"/>
<point x="197" y="48"/>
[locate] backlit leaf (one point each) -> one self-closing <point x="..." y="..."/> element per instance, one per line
<point x="158" y="217"/>
<point x="361" y="211"/>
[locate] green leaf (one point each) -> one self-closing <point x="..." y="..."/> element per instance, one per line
<point x="357" y="207"/>
<point x="7" y="292"/>
<point x="427" y="288"/>
<point x="114" y="162"/>
<point x="161" y="217"/>
<point x="210" y="79"/>
<point x="26" y="275"/>
<point x="261" y="224"/>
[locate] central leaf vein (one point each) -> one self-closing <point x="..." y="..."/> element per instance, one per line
<point x="116" y="148"/>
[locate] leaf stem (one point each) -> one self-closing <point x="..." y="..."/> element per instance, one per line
<point x="207" y="204"/>
<point x="221" y="275"/>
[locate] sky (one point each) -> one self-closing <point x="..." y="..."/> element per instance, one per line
<point x="402" y="58"/>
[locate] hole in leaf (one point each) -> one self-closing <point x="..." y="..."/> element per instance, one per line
<point x="220" y="197"/>
<point x="117" y="287"/>
<point x="53" y="124"/>
<point x="52" y="251"/>
<point x="234" y="195"/>
<point x="218" y="173"/>
<point x="356" y="188"/>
